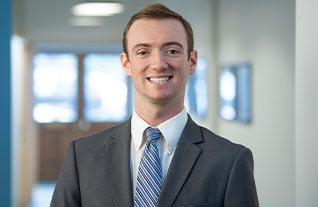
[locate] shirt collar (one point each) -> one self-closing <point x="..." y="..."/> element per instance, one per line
<point x="138" y="126"/>
<point x="171" y="129"/>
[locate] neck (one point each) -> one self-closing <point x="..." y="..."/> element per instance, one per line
<point x="157" y="114"/>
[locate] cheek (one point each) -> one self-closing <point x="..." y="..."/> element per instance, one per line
<point x="138" y="69"/>
<point x="136" y="72"/>
<point x="186" y="69"/>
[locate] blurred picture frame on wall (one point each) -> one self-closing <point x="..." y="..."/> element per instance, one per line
<point x="235" y="92"/>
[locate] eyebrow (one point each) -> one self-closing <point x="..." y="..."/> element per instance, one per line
<point x="164" y="45"/>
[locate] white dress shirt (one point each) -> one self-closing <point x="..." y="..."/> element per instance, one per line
<point x="171" y="131"/>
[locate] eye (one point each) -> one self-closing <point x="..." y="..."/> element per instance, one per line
<point x="173" y="52"/>
<point x="142" y="52"/>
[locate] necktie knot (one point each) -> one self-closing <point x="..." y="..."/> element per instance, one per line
<point x="152" y="133"/>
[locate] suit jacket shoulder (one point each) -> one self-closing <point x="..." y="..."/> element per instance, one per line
<point x="96" y="170"/>
<point x="209" y="170"/>
<point x="98" y="138"/>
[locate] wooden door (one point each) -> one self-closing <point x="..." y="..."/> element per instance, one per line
<point x="54" y="142"/>
<point x="54" y="138"/>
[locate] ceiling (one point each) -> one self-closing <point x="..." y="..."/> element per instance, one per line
<point x="49" y="21"/>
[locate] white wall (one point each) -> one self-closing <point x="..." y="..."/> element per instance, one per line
<point x="24" y="137"/>
<point x="262" y="32"/>
<point x="306" y="103"/>
<point x="17" y="45"/>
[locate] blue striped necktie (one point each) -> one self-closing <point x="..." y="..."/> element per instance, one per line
<point x="149" y="178"/>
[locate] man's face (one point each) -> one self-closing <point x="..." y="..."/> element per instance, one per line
<point x="158" y="60"/>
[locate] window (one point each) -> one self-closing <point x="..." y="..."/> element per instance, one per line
<point x="105" y="88"/>
<point x="55" y="88"/>
<point x="93" y="86"/>
<point x="235" y="89"/>
<point x="196" y="99"/>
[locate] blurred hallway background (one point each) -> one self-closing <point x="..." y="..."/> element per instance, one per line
<point x="58" y="71"/>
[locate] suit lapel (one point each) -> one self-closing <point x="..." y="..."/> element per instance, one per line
<point x="118" y="165"/>
<point x="184" y="158"/>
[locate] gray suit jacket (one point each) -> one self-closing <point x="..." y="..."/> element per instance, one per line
<point x="206" y="170"/>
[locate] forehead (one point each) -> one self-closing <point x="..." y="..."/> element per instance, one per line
<point x="156" y="31"/>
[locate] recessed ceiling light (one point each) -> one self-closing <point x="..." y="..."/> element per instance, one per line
<point x="97" y="9"/>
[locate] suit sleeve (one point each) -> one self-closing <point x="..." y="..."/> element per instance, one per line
<point x="67" y="191"/>
<point x="241" y="189"/>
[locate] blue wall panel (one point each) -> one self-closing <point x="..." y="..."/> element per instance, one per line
<point x="5" y="104"/>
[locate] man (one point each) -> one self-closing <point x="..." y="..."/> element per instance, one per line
<point x="194" y="167"/>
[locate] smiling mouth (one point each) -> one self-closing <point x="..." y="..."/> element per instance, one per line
<point x="160" y="80"/>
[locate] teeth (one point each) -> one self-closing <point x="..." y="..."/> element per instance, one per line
<point x="159" y="80"/>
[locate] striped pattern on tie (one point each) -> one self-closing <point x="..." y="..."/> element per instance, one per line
<point x="149" y="178"/>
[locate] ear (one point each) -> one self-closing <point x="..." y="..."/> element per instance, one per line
<point x="193" y="61"/>
<point x="125" y="63"/>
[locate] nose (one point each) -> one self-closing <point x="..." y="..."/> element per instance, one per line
<point x="158" y="61"/>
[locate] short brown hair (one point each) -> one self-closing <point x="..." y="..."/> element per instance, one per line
<point x="159" y="11"/>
